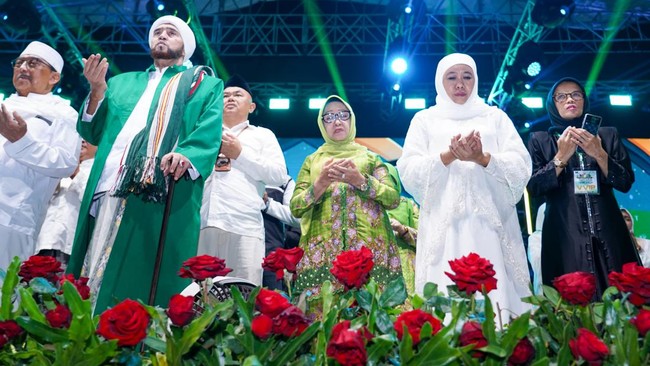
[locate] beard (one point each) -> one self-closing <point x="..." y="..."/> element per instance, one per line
<point x="166" y="53"/>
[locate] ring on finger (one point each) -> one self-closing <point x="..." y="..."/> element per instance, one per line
<point x="343" y="176"/>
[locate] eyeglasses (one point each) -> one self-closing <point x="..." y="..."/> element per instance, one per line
<point x="32" y="63"/>
<point x="331" y="117"/>
<point x="561" y="97"/>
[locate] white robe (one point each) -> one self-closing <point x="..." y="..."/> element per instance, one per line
<point x="466" y="207"/>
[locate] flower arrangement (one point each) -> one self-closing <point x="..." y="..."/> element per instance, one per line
<point x="46" y="319"/>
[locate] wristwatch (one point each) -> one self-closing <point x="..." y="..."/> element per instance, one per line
<point x="559" y="163"/>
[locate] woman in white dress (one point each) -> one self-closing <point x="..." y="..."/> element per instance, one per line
<point x="465" y="164"/>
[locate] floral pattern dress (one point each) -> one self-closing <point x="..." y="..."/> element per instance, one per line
<point x="345" y="218"/>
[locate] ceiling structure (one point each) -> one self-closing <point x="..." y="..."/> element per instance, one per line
<point x="300" y="49"/>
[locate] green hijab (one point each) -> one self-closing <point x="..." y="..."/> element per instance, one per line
<point x="345" y="148"/>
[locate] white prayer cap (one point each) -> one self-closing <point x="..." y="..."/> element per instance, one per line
<point x="45" y="53"/>
<point x="189" y="42"/>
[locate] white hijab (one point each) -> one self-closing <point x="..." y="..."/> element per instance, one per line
<point x="445" y="107"/>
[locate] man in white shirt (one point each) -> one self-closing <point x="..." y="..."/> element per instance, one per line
<point x="281" y="228"/>
<point x="57" y="233"/>
<point x="231" y="215"/>
<point x="38" y="147"/>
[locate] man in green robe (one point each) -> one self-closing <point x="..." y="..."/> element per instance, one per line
<point x="151" y="126"/>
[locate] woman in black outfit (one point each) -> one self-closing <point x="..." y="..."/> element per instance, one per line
<point x="582" y="231"/>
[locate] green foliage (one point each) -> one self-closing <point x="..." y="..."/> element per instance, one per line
<point x="221" y="335"/>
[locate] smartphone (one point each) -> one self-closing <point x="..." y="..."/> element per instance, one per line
<point x="591" y="123"/>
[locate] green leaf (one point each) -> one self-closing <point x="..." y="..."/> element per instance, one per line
<point x="437" y="350"/>
<point x="42" y="331"/>
<point x="488" y="324"/>
<point x="96" y="356"/>
<point x="380" y="348"/>
<point x="394" y="294"/>
<point x="9" y="288"/>
<point x="252" y="361"/>
<point x="244" y="310"/>
<point x="288" y="351"/>
<point x="327" y="296"/>
<point x="416" y="301"/>
<point x="493" y="349"/>
<point x="30" y="306"/>
<point x="364" y="299"/>
<point x="156" y="344"/>
<point x="406" y="346"/>
<point x="551" y="294"/>
<point x="383" y="322"/>
<point x="430" y="289"/>
<point x="194" y="330"/>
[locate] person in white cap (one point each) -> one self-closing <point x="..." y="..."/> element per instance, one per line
<point x="164" y="121"/>
<point x="38" y="147"/>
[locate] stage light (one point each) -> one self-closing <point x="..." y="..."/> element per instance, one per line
<point x="158" y="8"/>
<point x="316" y="103"/>
<point x="551" y="13"/>
<point x="399" y="65"/>
<point x="414" y="103"/>
<point x="527" y="125"/>
<point x="533" y="102"/>
<point x="397" y="87"/>
<point x="278" y="103"/>
<point x="620" y="100"/>
<point x="534" y="68"/>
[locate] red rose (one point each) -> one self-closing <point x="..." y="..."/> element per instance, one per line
<point x="588" y="347"/>
<point x="181" y="310"/>
<point x="414" y="321"/>
<point x="271" y="303"/>
<point x="522" y="354"/>
<point x="280" y="259"/>
<point x="127" y="322"/>
<point x="59" y="317"/>
<point x="261" y="326"/>
<point x="634" y="280"/>
<point x="204" y="266"/>
<point x="642" y="322"/>
<point x="8" y="329"/>
<point x="347" y="346"/>
<point x="40" y="266"/>
<point x="472" y="333"/>
<point x="577" y="288"/>
<point x="290" y="323"/>
<point x="352" y="268"/>
<point x="472" y="272"/>
<point x="81" y="285"/>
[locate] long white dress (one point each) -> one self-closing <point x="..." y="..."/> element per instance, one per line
<point x="466" y="207"/>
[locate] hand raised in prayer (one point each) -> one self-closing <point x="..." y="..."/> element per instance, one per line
<point x="95" y="69"/>
<point x="12" y="125"/>
<point x="346" y="171"/>
<point x="230" y="145"/>
<point x="174" y="163"/>
<point x="470" y="148"/>
<point x="323" y="181"/>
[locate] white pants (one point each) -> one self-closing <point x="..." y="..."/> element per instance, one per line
<point x="244" y="254"/>
<point x="15" y="243"/>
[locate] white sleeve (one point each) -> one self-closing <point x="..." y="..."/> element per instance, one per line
<point x="265" y="165"/>
<point x="282" y="211"/>
<point x="52" y="151"/>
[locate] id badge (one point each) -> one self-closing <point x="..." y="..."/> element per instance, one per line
<point x="585" y="182"/>
<point x="222" y="164"/>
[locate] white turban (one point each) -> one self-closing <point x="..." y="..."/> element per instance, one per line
<point x="45" y="53"/>
<point x="189" y="42"/>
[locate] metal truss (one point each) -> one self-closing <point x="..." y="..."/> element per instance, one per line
<point x="248" y="28"/>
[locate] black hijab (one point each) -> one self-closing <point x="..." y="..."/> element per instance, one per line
<point x="558" y="123"/>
